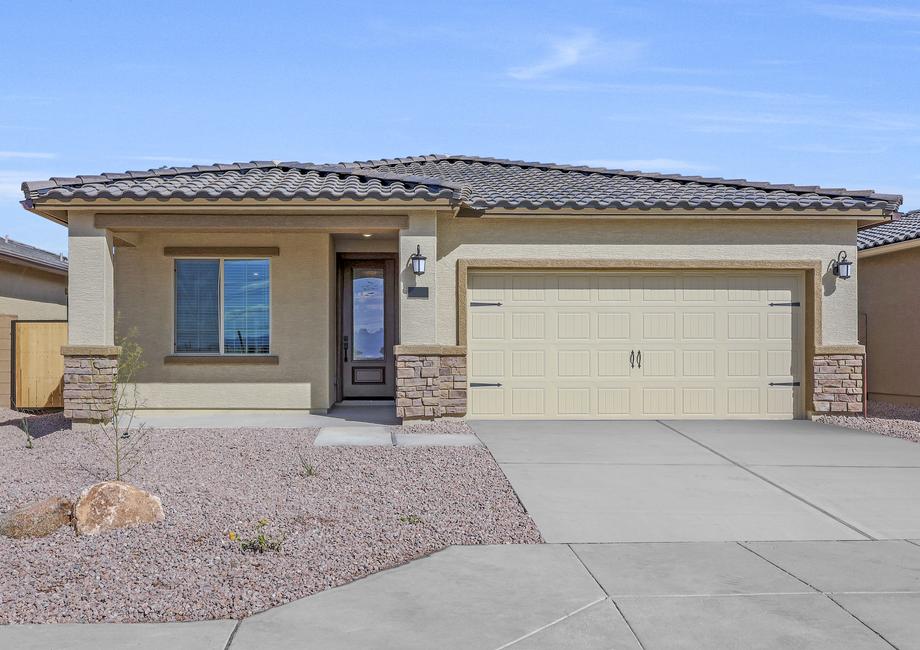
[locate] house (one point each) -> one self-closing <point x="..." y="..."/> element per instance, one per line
<point x="889" y="301"/>
<point x="33" y="286"/>
<point x="464" y="286"/>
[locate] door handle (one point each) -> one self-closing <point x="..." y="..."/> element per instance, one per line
<point x="639" y="358"/>
<point x="345" y="349"/>
<point x="632" y="358"/>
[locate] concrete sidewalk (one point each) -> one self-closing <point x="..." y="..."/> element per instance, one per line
<point x="822" y="595"/>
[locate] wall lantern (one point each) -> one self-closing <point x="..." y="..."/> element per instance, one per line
<point x="843" y="268"/>
<point x="418" y="261"/>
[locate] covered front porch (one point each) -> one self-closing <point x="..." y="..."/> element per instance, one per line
<point x="257" y="310"/>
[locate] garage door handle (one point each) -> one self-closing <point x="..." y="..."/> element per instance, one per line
<point x="639" y="359"/>
<point x="632" y="358"/>
<point x="476" y="384"/>
<point x="785" y="383"/>
<point x="485" y="304"/>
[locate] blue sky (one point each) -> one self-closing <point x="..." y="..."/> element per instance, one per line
<point x="808" y="92"/>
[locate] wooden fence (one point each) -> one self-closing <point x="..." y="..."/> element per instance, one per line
<point x="38" y="366"/>
<point x="6" y="359"/>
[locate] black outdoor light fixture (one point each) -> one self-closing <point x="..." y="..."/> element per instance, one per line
<point x="843" y="268"/>
<point x="418" y="261"/>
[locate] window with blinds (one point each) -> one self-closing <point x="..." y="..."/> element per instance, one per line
<point x="222" y="306"/>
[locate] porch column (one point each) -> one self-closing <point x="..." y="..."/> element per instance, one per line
<point x="430" y="378"/>
<point x="90" y="356"/>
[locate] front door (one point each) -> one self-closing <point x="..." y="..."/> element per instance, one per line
<point x="368" y="328"/>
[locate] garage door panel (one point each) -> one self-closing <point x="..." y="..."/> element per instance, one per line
<point x="561" y="345"/>
<point x="487" y="326"/>
<point x="613" y="363"/>
<point x="574" y="401"/>
<point x="528" y="325"/>
<point x="614" y="325"/>
<point x="574" y="363"/>
<point x="698" y="402"/>
<point x="528" y="402"/>
<point x="658" y="325"/>
<point x="528" y="363"/>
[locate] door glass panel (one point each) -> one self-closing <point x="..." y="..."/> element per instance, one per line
<point x="367" y="314"/>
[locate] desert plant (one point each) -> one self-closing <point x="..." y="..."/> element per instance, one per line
<point x="122" y="441"/>
<point x="261" y="542"/>
<point x="410" y="519"/>
<point x="307" y="469"/>
<point x="24" y="425"/>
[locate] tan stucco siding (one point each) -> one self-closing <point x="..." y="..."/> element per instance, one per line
<point x="31" y="294"/>
<point x="889" y="300"/>
<point x="301" y="280"/>
<point x="637" y="239"/>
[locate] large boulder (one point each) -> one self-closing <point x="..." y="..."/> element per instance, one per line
<point x="36" y="519"/>
<point x="114" y="504"/>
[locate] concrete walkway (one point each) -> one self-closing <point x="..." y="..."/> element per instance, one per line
<point x="667" y="535"/>
<point x="823" y="595"/>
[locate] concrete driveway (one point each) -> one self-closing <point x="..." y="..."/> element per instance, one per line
<point x="694" y="481"/>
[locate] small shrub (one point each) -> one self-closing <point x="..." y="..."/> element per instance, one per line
<point x="410" y="519"/>
<point x="25" y="427"/>
<point x="261" y="542"/>
<point x="307" y="469"/>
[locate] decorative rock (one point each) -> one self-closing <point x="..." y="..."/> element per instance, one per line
<point x="113" y="504"/>
<point x="36" y="519"/>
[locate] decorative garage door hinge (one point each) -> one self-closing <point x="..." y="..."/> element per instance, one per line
<point x="785" y="383"/>
<point x="476" y="384"/>
<point x="785" y="304"/>
<point x="485" y="304"/>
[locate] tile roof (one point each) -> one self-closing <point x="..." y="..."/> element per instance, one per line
<point x="904" y="228"/>
<point x="11" y="250"/>
<point x="474" y="183"/>
<point x="254" y="180"/>
<point x="497" y="183"/>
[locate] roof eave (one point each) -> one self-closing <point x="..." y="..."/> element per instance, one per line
<point x="884" y="249"/>
<point x="12" y="258"/>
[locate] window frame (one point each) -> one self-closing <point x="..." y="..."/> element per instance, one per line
<point x="220" y="308"/>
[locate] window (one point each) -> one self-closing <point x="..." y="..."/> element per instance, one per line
<point x="222" y="306"/>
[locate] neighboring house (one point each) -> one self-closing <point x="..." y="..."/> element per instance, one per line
<point x="548" y="291"/>
<point x="889" y="304"/>
<point x="33" y="286"/>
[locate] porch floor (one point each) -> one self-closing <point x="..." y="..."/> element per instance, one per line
<point x="342" y="414"/>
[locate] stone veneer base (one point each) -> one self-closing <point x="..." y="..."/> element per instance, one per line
<point x="89" y="383"/>
<point x="430" y="382"/>
<point x="838" y="385"/>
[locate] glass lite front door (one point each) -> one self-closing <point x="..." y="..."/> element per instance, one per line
<point x="368" y="318"/>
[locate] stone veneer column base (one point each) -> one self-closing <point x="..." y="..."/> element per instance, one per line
<point x="430" y="381"/>
<point x="838" y="383"/>
<point x="89" y="382"/>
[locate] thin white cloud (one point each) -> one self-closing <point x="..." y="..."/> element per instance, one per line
<point x="166" y="159"/>
<point x="866" y="12"/>
<point x="647" y="164"/>
<point x="34" y="155"/>
<point x="11" y="183"/>
<point x="574" y="50"/>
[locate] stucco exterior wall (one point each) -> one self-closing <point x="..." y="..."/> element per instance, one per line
<point x="889" y="300"/>
<point x="31" y="294"/>
<point x="302" y="277"/>
<point x="703" y="239"/>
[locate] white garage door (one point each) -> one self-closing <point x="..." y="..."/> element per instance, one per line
<point x="634" y="345"/>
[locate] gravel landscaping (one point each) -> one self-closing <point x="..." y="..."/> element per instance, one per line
<point x="439" y="426"/>
<point x="895" y="420"/>
<point x="341" y="513"/>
